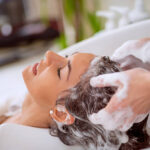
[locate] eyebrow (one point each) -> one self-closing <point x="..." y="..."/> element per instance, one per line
<point x="69" y="67"/>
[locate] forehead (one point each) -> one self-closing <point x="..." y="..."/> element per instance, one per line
<point x="81" y="56"/>
<point x="80" y="62"/>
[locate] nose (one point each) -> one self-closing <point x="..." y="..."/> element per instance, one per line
<point x="53" y="58"/>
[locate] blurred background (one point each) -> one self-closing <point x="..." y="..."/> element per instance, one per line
<point x="30" y="27"/>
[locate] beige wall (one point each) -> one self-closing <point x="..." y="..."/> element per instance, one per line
<point x="34" y="8"/>
<point x="130" y="3"/>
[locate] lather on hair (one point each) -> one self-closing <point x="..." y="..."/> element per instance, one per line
<point x="84" y="100"/>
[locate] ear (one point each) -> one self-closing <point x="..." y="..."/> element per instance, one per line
<point x="60" y="114"/>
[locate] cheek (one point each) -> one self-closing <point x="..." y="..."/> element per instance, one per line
<point x="45" y="89"/>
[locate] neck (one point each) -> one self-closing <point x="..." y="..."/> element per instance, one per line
<point x="32" y="115"/>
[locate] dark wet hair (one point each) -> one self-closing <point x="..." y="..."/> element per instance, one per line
<point x="84" y="100"/>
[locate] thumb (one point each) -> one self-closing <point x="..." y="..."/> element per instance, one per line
<point x="112" y="79"/>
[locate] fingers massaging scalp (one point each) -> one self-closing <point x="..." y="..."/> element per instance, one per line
<point x="84" y="100"/>
<point x="114" y="120"/>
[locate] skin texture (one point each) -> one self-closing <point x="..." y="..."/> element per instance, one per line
<point x="46" y="86"/>
<point x="138" y="88"/>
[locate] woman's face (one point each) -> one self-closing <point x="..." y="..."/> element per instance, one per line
<point x="46" y="80"/>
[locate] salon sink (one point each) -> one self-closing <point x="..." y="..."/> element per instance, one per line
<point x="17" y="137"/>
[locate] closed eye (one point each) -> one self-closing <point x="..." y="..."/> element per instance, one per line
<point x="58" y="72"/>
<point x="69" y="68"/>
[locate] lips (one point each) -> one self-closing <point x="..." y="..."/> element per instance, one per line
<point x="34" y="69"/>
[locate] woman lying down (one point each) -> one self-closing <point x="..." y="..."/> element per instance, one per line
<point x="61" y="98"/>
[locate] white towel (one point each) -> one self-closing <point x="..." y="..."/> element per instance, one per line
<point x="11" y="104"/>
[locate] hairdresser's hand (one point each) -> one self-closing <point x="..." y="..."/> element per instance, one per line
<point x="138" y="48"/>
<point x="131" y="102"/>
<point x="130" y="62"/>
